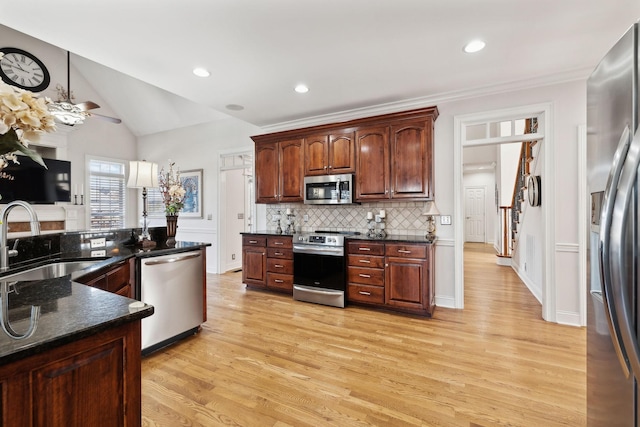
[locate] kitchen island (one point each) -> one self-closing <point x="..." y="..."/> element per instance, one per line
<point x="70" y="352"/>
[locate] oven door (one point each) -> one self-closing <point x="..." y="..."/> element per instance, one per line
<point x="319" y="278"/>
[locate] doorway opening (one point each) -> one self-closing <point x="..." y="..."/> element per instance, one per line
<point x="488" y="129"/>
<point x="237" y="207"/>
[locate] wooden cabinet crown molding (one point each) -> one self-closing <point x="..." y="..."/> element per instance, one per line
<point x="351" y="125"/>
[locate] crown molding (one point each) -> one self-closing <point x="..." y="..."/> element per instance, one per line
<point x="413" y="103"/>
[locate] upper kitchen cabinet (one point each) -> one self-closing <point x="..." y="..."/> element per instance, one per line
<point x="329" y="154"/>
<point x="372" y="148"/>
<point x="279" y="171"/>
<point x="411" y="162"/>
<point x="391" y="156"/>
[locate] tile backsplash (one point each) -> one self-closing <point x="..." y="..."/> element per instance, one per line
<point x="402" y="218"/>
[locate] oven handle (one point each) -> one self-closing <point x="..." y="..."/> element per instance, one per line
<point x="317" y="290"/>
<point x="318" y="250"/>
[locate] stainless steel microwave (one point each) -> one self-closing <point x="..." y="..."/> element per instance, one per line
<point x="328" y="189"/>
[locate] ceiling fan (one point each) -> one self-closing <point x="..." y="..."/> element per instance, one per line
<point x="69" y="113"/>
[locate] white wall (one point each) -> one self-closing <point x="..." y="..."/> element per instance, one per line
<point x="199" y="147"/>
<point x="568" y="112"/>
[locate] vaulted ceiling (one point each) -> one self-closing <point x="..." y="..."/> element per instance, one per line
<point x="352" y="54"/>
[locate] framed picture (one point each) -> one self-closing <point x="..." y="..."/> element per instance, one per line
<point x="192" y="182"/>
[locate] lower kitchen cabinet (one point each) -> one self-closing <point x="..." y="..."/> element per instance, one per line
<point x="280" y="263"/>
<point x="95" y="381"/>
<point x="365" y="272"/>
<point x="391" y="275"/>
<point x="118" y="278"/>
<point x="267" y="262"/>
<point x="254" y="260"/>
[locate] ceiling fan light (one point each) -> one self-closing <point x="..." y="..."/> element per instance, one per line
<point x="67" y="113"/>
<point x="302" y="88"/>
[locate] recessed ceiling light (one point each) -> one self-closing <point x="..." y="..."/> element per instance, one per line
<point x="302" y="89"/>
<point x="201" y="72"/>
<point x="234" y="107"/>
<point x="474" y="46"/>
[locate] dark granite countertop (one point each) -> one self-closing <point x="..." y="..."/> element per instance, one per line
<point x="68" y="310"/>
<point x="388" y="239"/>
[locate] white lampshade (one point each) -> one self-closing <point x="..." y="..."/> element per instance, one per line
<point x="432" y="210"/>
<point x="142" y="174"/>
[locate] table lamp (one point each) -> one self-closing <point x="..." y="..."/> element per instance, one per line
<point x="143" y="175"/>
<point x="431" y="212"/>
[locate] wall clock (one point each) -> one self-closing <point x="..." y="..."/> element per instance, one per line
<point x="533" y="190"/>
<point x="22" y="69"/>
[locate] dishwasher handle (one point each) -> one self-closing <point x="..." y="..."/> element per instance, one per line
<point x="169" y="260"/>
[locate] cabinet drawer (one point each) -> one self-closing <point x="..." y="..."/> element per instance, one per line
<point x="406" y="251"/>
<point x="280" y="242"/>
<point x="280" y="281"/>
<point x="280" y="253"/>
<point x="366" y="248"/>
<point x="254" y="241"/>
<point x="284" y="266"/>
<point x="365" y="261"/>
<point x="365" y="293"/>
<point x="367" y="276"/>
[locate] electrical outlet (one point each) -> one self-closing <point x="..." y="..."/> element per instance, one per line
<point x="98" y="243"/>
<point x="445" y="220"/>
<point x="277" y="217"/>
<point x="306" y="218"/>
<point x="98" y="254"/>
<point x="233" y="256"/>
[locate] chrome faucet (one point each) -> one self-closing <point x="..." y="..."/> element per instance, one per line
<point x="5" y="253"/>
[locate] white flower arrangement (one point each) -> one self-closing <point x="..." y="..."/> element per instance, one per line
<point x="23" y="118"/>
<point x="172" y="191"/>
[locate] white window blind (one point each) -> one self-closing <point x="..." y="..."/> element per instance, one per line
<point x="155" y="204"/>
<point x="107" y="189"/>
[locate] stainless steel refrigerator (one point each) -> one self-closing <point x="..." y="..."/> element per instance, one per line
<point x="613" y="156"/>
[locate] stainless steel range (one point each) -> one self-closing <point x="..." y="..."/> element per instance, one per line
<point x="319" y="268"/>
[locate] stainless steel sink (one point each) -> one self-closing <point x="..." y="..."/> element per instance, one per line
<point x="50" y="271"/>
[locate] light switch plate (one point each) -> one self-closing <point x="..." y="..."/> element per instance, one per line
<point x="445" y="220"/>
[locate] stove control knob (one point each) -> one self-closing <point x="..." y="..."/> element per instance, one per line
<point x="300" y="238"/>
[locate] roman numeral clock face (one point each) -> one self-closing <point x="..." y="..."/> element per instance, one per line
<point x="22" y="69"/>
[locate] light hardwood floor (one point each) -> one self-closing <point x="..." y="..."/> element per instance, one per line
<point x="263" y="359"/>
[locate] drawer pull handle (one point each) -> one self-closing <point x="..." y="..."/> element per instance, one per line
<point x="403" y="251"/>
<point x="253" y="242"/>
<point x="364" y="293"/>
<point x="278" y="243"/>
<point x="366" y="261"/>
<point x="364" y="249"/>
<point x="278" y="266"/>
<point x="366" y="276"/>
<point x="279" y="254"/>
<point x="279" y="281"/>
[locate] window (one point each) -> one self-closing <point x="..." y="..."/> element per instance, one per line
<point x="107" y="190"/>
<point x="155" y="204"/>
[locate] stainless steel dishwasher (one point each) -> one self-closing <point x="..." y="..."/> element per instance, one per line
<point x="173" y="284"/>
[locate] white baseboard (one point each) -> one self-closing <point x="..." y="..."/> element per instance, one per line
<point x="446" y="302"/>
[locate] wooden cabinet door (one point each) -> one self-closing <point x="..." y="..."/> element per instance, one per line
<point x="291" y="171"/>
<point x="410" y="161"/>
<point x="316" y="155"/>
<point x="267" y="161"/>
<point x="405" y="281"/>
<point x="254" y="266"/>
<point x="341" y="153"/>
<point x="372" y="163"/>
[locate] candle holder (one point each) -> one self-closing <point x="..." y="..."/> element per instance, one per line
<point x="278" y="228"/>
<point x="82" y="199"/>
<point x="290" y="224"/>
<point x="75" y="199"/>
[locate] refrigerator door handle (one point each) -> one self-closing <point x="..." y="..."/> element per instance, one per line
<point x="608" y="203"/>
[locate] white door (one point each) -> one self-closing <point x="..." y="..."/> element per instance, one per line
<point x="474" y="207"/>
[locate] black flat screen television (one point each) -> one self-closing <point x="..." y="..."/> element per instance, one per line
<point x="32" y="183"/>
